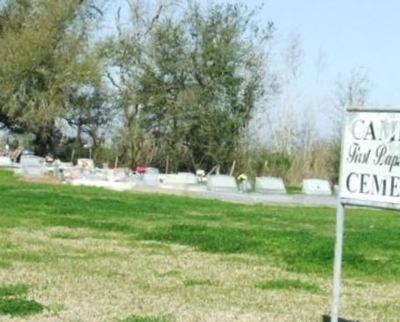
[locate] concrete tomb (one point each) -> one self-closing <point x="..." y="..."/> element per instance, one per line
<point x="336" y="190"/>
<point x="111" y="185"/>
<point x="270" y="185"/>
<point x="316" y="187"/>
<point x="32" y="166"/>
<point x="65" y="165"/>
<point x="86" y="164"/>
<point x="245" y="186"/>
<point x="17" y="169"/>
<point x="221" y="183"/>
<point x="117" y="175"/>
<point x="150" y="179"/>
<point x="178" y="180"/>
<point x="5" y="161"/>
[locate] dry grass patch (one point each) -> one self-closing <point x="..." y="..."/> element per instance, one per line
<point x="88" y="278"/>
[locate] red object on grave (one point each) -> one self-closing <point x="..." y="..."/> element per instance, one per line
<point x="140" y="169"/>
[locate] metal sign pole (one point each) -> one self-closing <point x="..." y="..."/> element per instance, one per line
<point x="337" y="266"/>
<point x="363" y="181"/>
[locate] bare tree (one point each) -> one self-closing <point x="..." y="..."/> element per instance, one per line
<point x="351" y="90"/>
<point x="283" y="117"/>
<point x="293" y="57"/>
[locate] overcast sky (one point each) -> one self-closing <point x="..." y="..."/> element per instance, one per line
<point x="338" y="36"/>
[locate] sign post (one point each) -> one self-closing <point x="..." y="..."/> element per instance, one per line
<point x="369" y="173"/>
<point x="337" y="266"/>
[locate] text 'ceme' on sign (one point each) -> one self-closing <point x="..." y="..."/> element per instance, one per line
<point x="370" y="165"/>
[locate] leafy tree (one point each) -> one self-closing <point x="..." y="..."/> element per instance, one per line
<point x="43" y="56"/>
<point x="188" y="86"/>
<point x="90" y="113"/>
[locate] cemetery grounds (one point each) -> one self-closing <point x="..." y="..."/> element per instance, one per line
<point x="86" y="254"/>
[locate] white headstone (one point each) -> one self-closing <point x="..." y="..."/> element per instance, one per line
<point x="118" y="174"/>
<point x="187" y="176"/>
<point x="182" y="178"/>
<point x="5" y="162"/>
<point x="18" y="170"/>
<point x="32" y="166"/>
<point x="336" y="189"/>
<point x="65" y="165"/>
<point x="270" y="185"/>
<point x="316" y="187"/>
<point x="151" y="179"/>
<point x="152" y="170"/>
<point x="221" y="183"/>
<point x="31" y="160"/>
<point x="86" y="164"/>
<point x="116" y="186"/>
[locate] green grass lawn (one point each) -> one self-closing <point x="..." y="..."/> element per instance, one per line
<point x="292" y="190"/>
<point x="167" y="258"/>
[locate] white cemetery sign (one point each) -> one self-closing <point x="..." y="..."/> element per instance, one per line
<point x="370" y="172"/>
<point x="370" y="169"/>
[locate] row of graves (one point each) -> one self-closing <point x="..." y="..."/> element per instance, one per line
<point x="225" y="187"/>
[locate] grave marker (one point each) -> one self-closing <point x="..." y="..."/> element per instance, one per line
<point x="86" y="164"/>
<point x="151" y="179"/>
<point x="5" y="162"/>
<point x="270" y="185"/>
<point x="221" y="183"/>
<point x="316" y="187"/>
<point x="32" y="166"/>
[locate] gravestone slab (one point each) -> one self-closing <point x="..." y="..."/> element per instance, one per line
<point x="5" y="162"/>
<point x="188" y="177"/>
<point x="86" y="164"/>
<point x="31" y="160"/>
<point x="32" y="166"/>
<point x="116" y="186"/>
<point x="117" y="175"/>
<point x="152" y="170"/>
<point x="271" y="185"/>
<point x="336" y="189"/>
<point x="65" y="165"/>
<point x="221" y="183"/>
<point x="18" y="169"/>
<point x="245" y="186"/>
<point x="198" y="187"/>
<point x="150" y="179"/>
<point x="316" y="187"/>
<point x="179" y="179"/>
